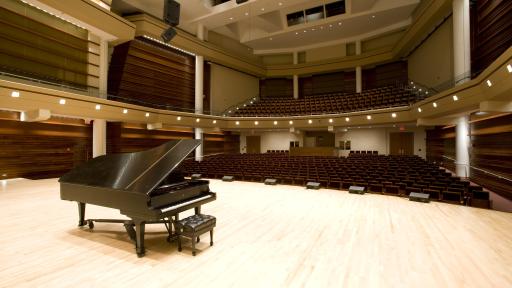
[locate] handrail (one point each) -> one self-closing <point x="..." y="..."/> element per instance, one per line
<point x="480" y="169"/>
<point x="93" y="92"/>
<point x="243" y="103"/>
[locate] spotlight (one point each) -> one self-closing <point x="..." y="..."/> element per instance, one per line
<point x="168" y="34"/>
<point x="419" y="109"/>
<point x="62" y="101"/>
<point x="455" y="98"/>
<point x="434" y="104"/>
<point x="275" y="122"/>
<point x="489" y="83"/>
<point x="15" y="94"/>
<point x="393" y="115"/>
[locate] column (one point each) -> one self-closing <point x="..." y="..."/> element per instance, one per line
<point x="199" y="73"/>
<point x="99" y="126"/>
<point x="462" y="147"/>
<point x="461" y="41"/>
<point x="359" y="71"/>
<point x="295" y="77"/>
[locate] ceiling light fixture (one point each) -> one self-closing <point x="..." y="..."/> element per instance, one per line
<point x="147" y="114"/>
<point x="197" y="120"/>
<point x="419" y="109"/>
<point x="98" y="106"/>
<point x="393" y="115"/>
<point x="15" y="94"/>
<point x="62" y="101"/>
<point x="291" y="122"/>
<point x="347" y="119"/>
<point x="214" y="121"/>
<point x="231" y="18"/>
<point x="489" y="83"/>
<point x="509" y="68"/>
<point x="455" y="98"/>
<point x="275" y="122"/>
<point x="262" y="9"/>
<point x="256" y="123"/>
<point x="280" y="4"/>
<point x="237" y="123"/>
<point x="369" y="117"/>
<point x="270" y="40"/>
<point x="179" y="118"/>
<point x="330" y="120"/>
<point x="434" y="104"/>
<point x="246" y="13"/>
<point x="125" y="111"/>
<point x="310" y="121"/>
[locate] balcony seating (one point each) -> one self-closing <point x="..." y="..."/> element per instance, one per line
<point x="333" y="103"/>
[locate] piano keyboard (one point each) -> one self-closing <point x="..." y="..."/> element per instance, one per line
<point x="185" y="203"/>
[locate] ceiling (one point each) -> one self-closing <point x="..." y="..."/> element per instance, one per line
<point x="262" y="24"/>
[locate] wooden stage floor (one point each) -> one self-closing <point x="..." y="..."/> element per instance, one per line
<point x="266" y="236"/>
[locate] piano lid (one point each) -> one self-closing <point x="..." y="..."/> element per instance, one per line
<point x="138" y="171"/>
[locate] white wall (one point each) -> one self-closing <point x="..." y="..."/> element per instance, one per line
<point x="323" y="53"/>
<point x="279" y="140"/>
<point x="229" y="87"/>
<point x="377" y="139"/>
<point x="431" y="64"/>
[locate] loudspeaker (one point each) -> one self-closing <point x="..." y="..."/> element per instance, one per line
<point x="241" y="1"/>
<point x="168" y="34"/>
<point x="171" y="12"/>
<point x="419" y="197"/>
<point x="356" y="189"/>
<point x="195" y="176"/>
<point x="228" y="178"/>
<point x="270" y="181"/>
<point x="313" y="185"/>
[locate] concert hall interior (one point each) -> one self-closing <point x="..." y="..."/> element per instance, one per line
<point x="256" y="143"/>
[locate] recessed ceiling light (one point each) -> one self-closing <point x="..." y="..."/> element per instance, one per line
<point x="237" y="123"/>
<point x="369" y="117"/>
<point x="280" y="4"/>
<point x="489" y="83"/>
<point x="509" y="68"/>
<point x="275" y="122"/>
<point x="339" y="23"/>
<point x="214" y="121"/>
<point x="62" y="101"/>
<point x="419" y="109"/>
<point x="179" y="118"/>
<point x="455" y="98"/>
<point x="291" y="122"/>
<point x="256" y="123"/>
<point x="305" y="31"/>
<point x="125" y="111"/>
<point x="393" y="115"/>
<point x="434" y="104"/>
<point x="262" y="9"/>
<point x="270" y="40"/>
<point x="15" y="94"/>
<point x="98" y="106"/>
<point x="147" y="114"/>
<point x="426" y="92"/>
<point x="373" y="16"/>
<point x="330" y="120"/>
<point x="197" y="120"/>
<point x="347" y="119"/>
<point x="312" y="29"/>
<point x="310" y="121"/>
<point x="231" y="18"/>
<point x="296" y="33"/>
<point x="412" y="83"/>
<point x="246" y="13"/>
<point x="330" y="25"/>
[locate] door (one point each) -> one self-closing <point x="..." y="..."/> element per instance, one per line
<point x="401" y="143"/>
<point x="253" y="144"/>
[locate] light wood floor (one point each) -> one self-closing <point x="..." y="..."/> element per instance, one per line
<point x="281" y="236"/>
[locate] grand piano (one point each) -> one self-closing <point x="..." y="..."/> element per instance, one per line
<point x="142" y="185"/>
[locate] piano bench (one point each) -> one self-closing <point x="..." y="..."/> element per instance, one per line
<point x="194" y="226"/>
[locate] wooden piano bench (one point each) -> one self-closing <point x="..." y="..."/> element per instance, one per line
<point x="194" y="226"/>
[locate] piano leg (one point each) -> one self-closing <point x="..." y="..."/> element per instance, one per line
<point x="81" y="213"/>
<point x="139" y="230"/>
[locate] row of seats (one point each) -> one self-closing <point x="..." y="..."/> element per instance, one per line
<point x="333" y="103"/>
<point x="397" y="175"/>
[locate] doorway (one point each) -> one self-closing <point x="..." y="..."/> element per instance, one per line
<point x="253" y="144"/>
<point x="401" y="143"/>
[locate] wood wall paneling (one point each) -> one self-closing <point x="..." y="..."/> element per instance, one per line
<point x="152" y="75"/>
<point x="491" y="32"/>
<point x="385" y="75"/>
<point x="276" y="88"/>
<point x="37" y="150"/>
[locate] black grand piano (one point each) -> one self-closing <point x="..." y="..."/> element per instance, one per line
<point x="142" y="185"/>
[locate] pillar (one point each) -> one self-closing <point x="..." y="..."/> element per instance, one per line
<point x="295" y="77"/>
<point x="99" y="126"/>
<point x="461" y="41"/>
<point x="199" y="75"/>
<point x="359" y="71"/>
<point x="462" y="147"/>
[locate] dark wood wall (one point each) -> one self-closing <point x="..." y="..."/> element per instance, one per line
<point x="441" y="142"/>
<point x="491" y="32"/>
<point x="33" y="49"/>
<point x="276" y="88"/>
<point x="385" y="75"/>
<point x="147" y="73"/>
<point x="37" y="150"/>
<point x="491" y="150"/>
<point x="125" y="137"/>
<point x="327" y="83"/>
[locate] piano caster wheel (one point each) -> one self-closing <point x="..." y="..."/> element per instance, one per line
<point x="91" y="224"/>
<point x="193" y="253"/>
<point x="140" y="255"/>
<point x="211" y="243"/>
<point x="179" y="249"/>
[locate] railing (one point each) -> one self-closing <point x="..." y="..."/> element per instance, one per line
<point x="430" y="91"/>
<point x="481" y="170"/>
<point x="233" y="108"/>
